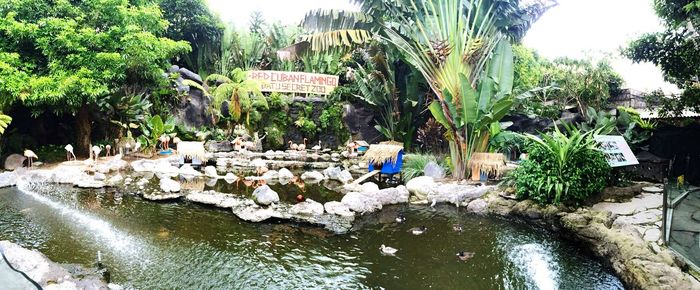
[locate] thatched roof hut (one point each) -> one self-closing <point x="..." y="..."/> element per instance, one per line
<point x="489" y="163"/>
<point x="191" y="150"/>
<point x="381" y="153"/>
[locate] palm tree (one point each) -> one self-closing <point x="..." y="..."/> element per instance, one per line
<point x="467" y="62"/>
<point x="4" y="122"/>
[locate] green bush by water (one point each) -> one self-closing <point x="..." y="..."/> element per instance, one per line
<point x="561" y="168"/>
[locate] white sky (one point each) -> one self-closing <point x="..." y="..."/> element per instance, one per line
<point x="575" y="28"/>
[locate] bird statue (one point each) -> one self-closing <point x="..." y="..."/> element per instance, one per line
<point x="388" y="250"/>
<point x="30" y="155"/>
<point x="464" y="256"/>
<point x="419" y="230"/>
<point x="108" y="150"/>
<point x="317" y="147"/>
<point x="302" y="147"/>
<point x="163" y="142"/>
<point x="400" y="218"/>
<point x="293" y="146"/>
<point x="96" y="150"/>
<point x="69" y="152"/>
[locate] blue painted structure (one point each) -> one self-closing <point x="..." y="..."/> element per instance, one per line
<point x="390" y="168"/>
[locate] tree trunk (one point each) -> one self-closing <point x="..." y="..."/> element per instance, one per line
<point x="84" y="131"/>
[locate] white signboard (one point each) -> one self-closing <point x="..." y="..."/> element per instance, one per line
<point x="616" y="150"/>
<point x="294" y="82"/>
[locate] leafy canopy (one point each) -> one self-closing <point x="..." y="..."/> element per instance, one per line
<point x="63" y="54"/>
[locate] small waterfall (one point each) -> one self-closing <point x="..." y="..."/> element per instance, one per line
<point x="535" y="261"/>
<point x="103" y="231"/>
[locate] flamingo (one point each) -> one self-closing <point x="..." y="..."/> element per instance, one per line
<point x="163" y="142"/>
<point x="317" y="147"/>
<point x="30" y="154"/>
<point x="137" y="146"/>
<point x="127" y="146"/>
<point x="293" y="146"/>
<point x="69" y="152"/>
<point x="96" y="150"/>
<point x="302" y="147"/>
<point x="108" y="148"/>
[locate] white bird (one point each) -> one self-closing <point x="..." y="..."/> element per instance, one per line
<point x="293" y="146"/>
<point x="176" y="140"/>
<point x="137" y="146"/>
<point x="96" y="150"/>
<point x="418" y="230"/>
<point x="302" y="147"/>
<point x="249" y="145"/>
<point x="388" y="250"/>
<point x="317" y="147"/>
<point x="434" y="202"/>
<point x="30" y="154"/>
<point x="108" y="148"/>
<point x="260" y="166"/>
<point x="69" y="152"/>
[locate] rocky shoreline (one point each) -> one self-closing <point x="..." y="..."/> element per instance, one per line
<point x="623" y="229"/>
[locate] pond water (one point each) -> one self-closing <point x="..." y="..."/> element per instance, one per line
<point x="180" y="245"/>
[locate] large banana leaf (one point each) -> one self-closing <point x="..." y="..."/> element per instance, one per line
<point x="4" y="122"/>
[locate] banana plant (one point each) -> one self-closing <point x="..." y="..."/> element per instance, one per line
<point x="154" y="127"/>
<point x="4" y="122"/>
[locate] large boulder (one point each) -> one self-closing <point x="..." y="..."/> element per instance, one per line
<point x="308" y="207"/>
<point x="338" y="208"/>
<point x="284" y="173"/>
<point x="189" y="75"/>
<point x="218" y="146"/>
<point x="210" y="171"/>
<point x="169" y="185"/>
<point x="14" y="161"/>
<point x="421" y="186"/>
<point x="336" y="173"/>
<point x="264" y="195"/>
<point x="313" y="176"/>
<point x="361" y="203"/>
<point x="394" y="195"/>
<point x="8" y="179"/>
<point x="457" y="194"/>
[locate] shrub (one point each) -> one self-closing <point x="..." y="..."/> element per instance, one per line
<point x="414" y="164"/>
<point x="561" y="168"/>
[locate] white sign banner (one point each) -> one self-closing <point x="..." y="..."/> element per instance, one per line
<point x="616" y="150"/>
<point x="294" y="82"/>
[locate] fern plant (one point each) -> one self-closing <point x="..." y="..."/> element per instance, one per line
<point x="4" y="122"/>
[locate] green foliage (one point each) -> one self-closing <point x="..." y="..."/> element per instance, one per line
<point x="306" y="126"/>
<point x="4" y="122"/>
<point x="675" y="51"/>
<point x="125" y="109"/>
<point x="527" y="69"/>
<point x="154" y="127"/>
<point x="414" y="164"/>
<point x="628" y="125"/>
<point x="561" y="168"/>
<point x="238" y="90"/>
<point x="192" y="21"/>
<point x="331" y="120"/>
<point x="275" y="137"/>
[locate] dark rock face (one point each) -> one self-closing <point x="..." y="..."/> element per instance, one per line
<point x="193" y="109"/>
<point x="360" y="122"/>
<point x="525" y="124"/>
<point x="218" y="146"/>
<point x="679" y="144"/>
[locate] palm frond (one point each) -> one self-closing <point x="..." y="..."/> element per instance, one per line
<point x="4" y="122"/>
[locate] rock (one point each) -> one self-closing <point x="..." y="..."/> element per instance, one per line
<point x="47" y="274"/>
<point x="161" y="197"/>
<point x="114" y="164"/>
<point x="264" y="195"/>
<point x="646" y="217"/>
<point x="188" y="171"/>
<point x="338" y="208"/>
<point x="218" y="146"/>
<point x="652" y="235"/>
<point x="230" y="177"/>
<point x="269" y="154"/>
<point x="210" y="171"/>
<point x="434" y="170"/>
<point x="217" y="199"/>
<point x="89" y="183"/>
<point x="14" y="161"/>
<point x="169" y="185"/>
<point x="68" y="175"/>
<point x="115" y="179"/>
<point x="478" y="206"/>
<point x="313" y="176"/>
<point x="270" y="175"/>
<point x="284" y="173"/>
<point x="369" y="187"/>
<point x="457" y="194"/>
<point x="421" y="186"/>
<point x="361" y="203"/>
<point x="254" y="214"/>
<point x="308" y="207"/>
<point x="100" y="176"/>
<point x="189" y="75"/>
<point x="393" y="195"/>
<point x="652" y="189"/>
<point x="8" y="179"/>
<point x="335" y="173"/>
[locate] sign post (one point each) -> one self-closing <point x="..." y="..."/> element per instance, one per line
<point x="616" y="150"/>
<point x="294" y="82"/>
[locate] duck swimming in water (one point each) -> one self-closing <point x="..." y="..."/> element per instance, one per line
<point x="419" y="230"/>
<point x="400" y="218"/>
<point x="388" y="250"/>
<point x="464" y="256"/>
<point x="457" y="227"/>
